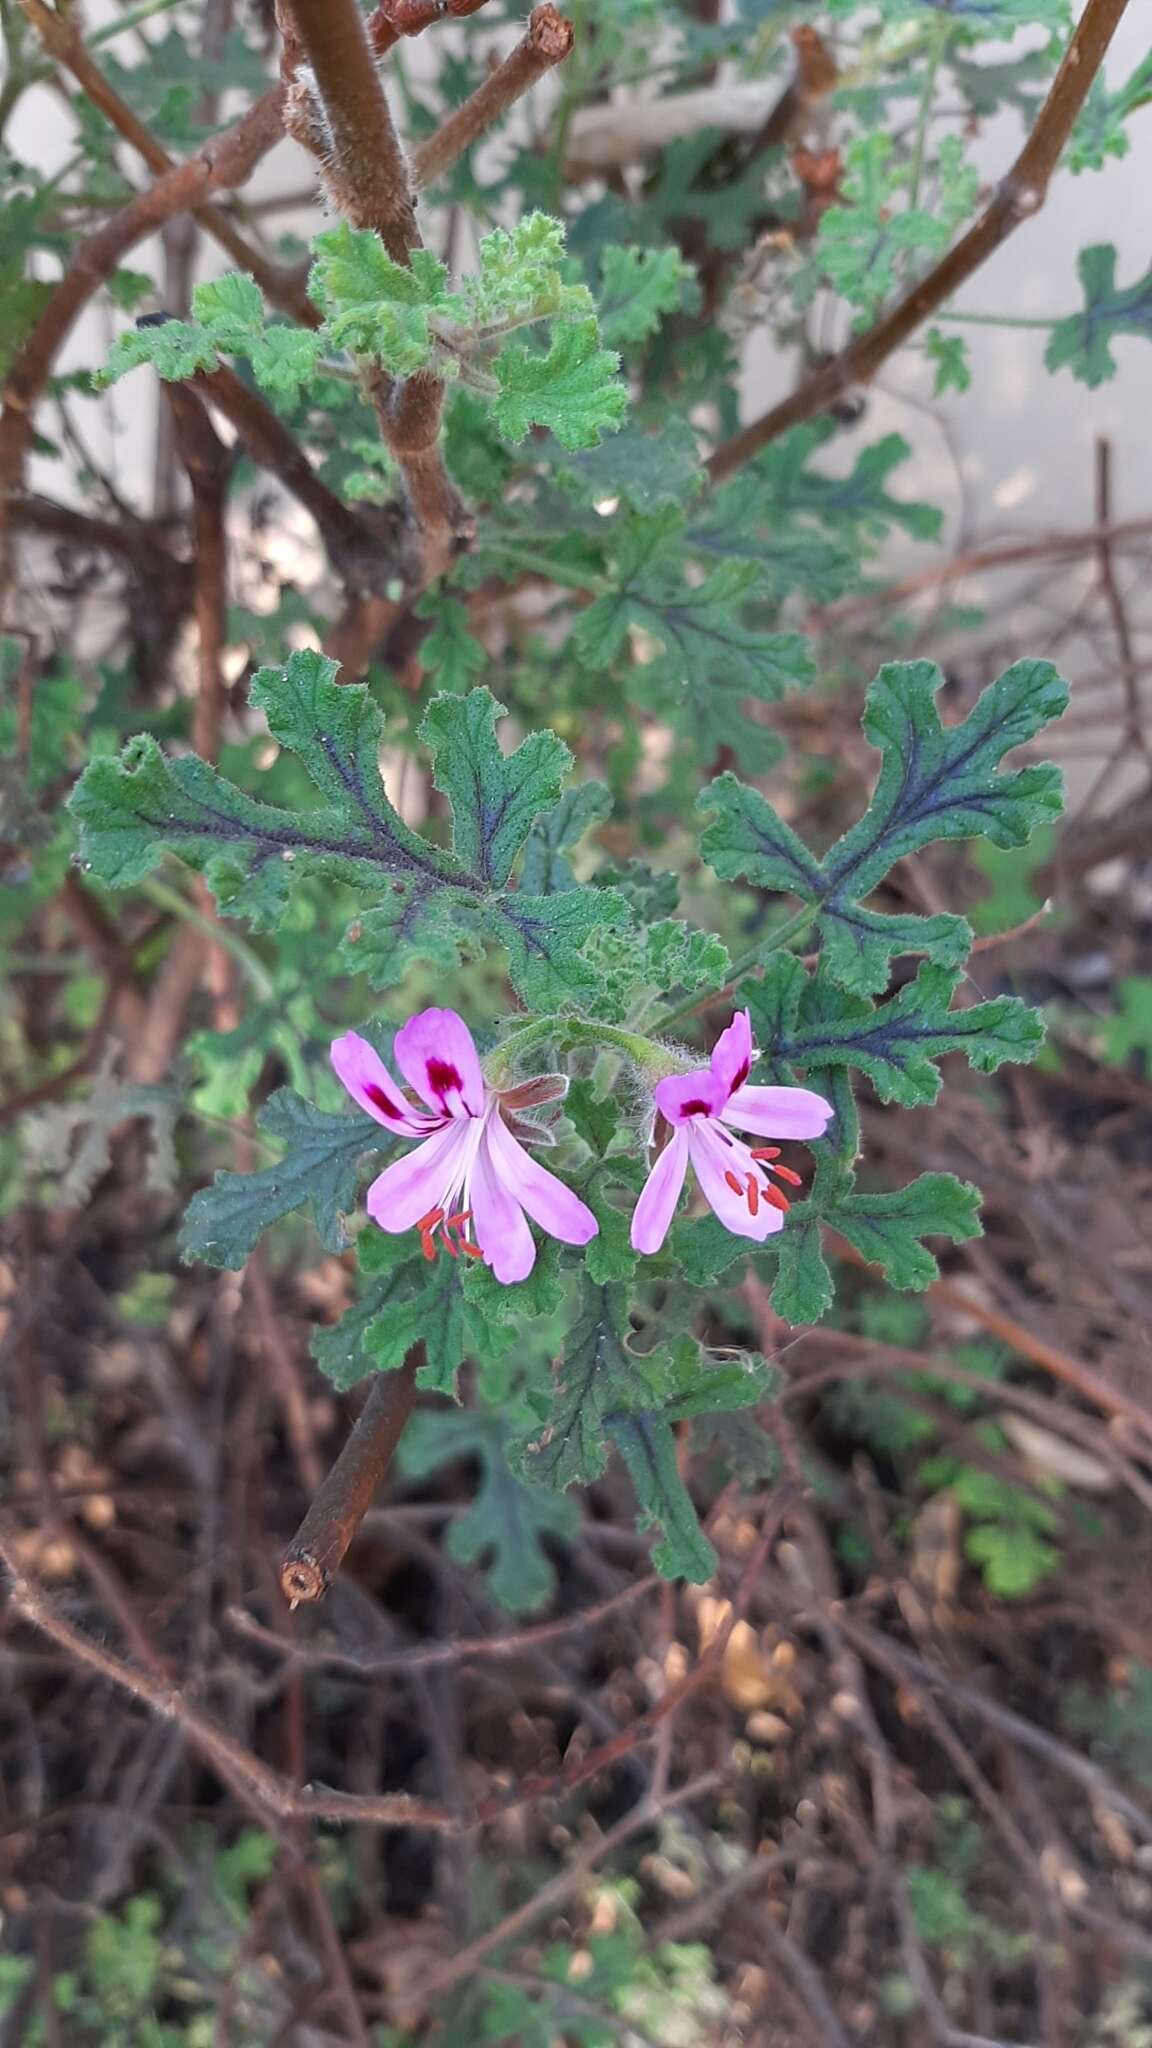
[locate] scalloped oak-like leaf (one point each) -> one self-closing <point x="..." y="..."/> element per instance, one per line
<point x="318" y="1171"/>
<point x="425" y="902"/>
<point x="886" y="1227"/>
<point x="806" y="1021"/>
<point x="508" y="1519"/>
<point x="935" y="782"/>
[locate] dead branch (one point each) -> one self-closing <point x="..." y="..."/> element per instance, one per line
<point x="459" y="1650"/>
<point x="235" y="1765"/>
<point x="317" y="1549"/>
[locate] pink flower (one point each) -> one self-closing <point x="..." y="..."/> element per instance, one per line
<point x="693" y="1112"/>
<point x="468" y="1167"/>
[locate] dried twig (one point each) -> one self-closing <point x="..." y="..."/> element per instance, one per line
<point x="237" y="1766"/>
<point x="318" y="1547"/>
<point x="457" y="1650"/>
<point x="1019" y="195"/>
<point x="1081" y="1378"/>
<point x="359" y="551"/>
<point x="552" y="1896"/>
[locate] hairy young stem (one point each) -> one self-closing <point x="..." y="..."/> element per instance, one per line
<point x="336" y="107"/>
<point x="547" y="42"/>
<point x="316" y="1551"/>
<point x="366" y="163"/>
<point x="1017" y="198"/>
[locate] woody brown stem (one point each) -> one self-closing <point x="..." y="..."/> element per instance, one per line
<point x="317" y="1550"/>
<point x="207" y="464"/>
<point x="357" y="552"/>
<point x="1020" y="195"/>
<point x="396" y="18"/>
<point x="546" y="42"/>
<point x="63" y="41"/>
<point x="224" y="161"/>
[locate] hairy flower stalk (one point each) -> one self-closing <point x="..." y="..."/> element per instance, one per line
<point x="469" y="1186"/>
<point x="691" y="1127"/>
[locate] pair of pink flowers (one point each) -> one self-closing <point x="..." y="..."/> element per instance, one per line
<point x="471" y="1186"/>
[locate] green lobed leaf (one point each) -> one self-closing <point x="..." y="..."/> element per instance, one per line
<point x="450" y="651"/>
<point x="811" y="1023"/>
<point x="546" y="868"/>
<point x="867" y="244"/>
<point x="647" y="1445"/>
<point x="426" y="902"/>
<point x="649" y="471"/>
<point x="573" y="388"/>
<point x="948" y="354"/>
<point x="521" y="277"/>
<point x="857" y="503"/>
<point x="1083" y="342"/>
<point x="318" y="1171"/>
<point x="607" y="1396"/>
<point x="375" y="306"/>
<point x="545" y="936"/>
<point x="638" y="288"/>
<point x="935" y="782"/>
<point x="712" y="659"/>
<point x="175" y="349"/>
<point x="789" y="555"/>
<point x="508" y="1520"/>
<point x="596" y="1376"/>
<point x="663" y="957"/>
<point x="887" y="1228"/>
<point x="1100" y="129"/>
<point x="495" y="797"/>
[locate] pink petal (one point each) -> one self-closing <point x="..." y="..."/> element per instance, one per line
<point x="714" y="1155"/>
<point x="499" y="1224"/>
<point x="435" y="1054"/>
<point x="371" y="1085"/>
<point x="779" y="1112"/>
<point x="732" y="1057"/>
<point x="406" y="1191"/>
<point x="681" y="1096"/>
<point x="652" y="1216"/>
<point x="549" y="1203"/>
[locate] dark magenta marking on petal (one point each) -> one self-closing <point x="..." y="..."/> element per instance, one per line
<point x="375" y="1093"/>
<point x="696" y="1109"/>
<point x="741" y="1075"/>
<point x="442" y="1076"/>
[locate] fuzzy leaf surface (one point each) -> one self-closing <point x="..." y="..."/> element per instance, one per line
<point x="935" y="782"/>
<point x="319" y="1171"/>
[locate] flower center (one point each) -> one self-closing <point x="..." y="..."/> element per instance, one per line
<point x="454" y="1236"/>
